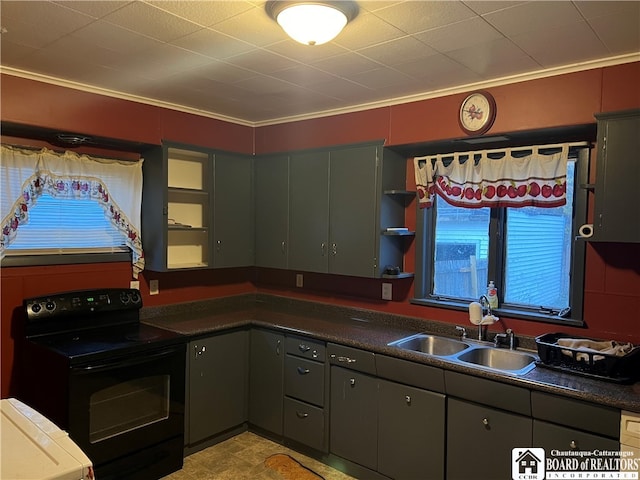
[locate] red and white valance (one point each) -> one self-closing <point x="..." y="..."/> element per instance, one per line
<point x="115" y="185"/>
<point x="516" y="178"/>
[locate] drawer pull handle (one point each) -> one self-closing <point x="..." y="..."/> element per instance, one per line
<point x="352" y="382"/>
<point x="407" y="398"/>
<point x="304" y="348"/>
<point x="278" y="348"/>
<point x="485" y="422"/>
<point x="303" y="371"/>
<point x="573" y="445"/>
<point x="342" y="359"/>
<point x="302" y="414"/>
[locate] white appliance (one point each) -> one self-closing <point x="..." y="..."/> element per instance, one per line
<point x="630" y="440"/>
<point x="33" y="448"/>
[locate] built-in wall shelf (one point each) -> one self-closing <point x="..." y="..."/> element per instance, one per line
<point x="400" y="275"/>
<point x="399" y="233"/>
<point x="400" y="192"/>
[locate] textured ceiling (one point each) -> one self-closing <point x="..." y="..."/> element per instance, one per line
<point x="229" y="60"/>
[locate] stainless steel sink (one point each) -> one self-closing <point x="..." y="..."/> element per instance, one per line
<point x="502" y="360"/>
<point x="469" y="352"/>
<point x="431" y="344"/>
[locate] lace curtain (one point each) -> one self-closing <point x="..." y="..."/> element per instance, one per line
<point x="115" y="185"/>
<point x="478" y="179"/>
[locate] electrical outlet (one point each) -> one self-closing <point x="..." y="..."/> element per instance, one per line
<point x="299" y="280"/>
<point x="154" y="287"/>
<point x="387" y="291"/>
<point x="134" y="284"/>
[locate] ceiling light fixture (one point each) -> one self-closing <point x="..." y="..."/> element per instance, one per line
<point x="312" y="23"/>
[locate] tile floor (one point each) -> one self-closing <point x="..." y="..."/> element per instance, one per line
<point x="242" y="458"/>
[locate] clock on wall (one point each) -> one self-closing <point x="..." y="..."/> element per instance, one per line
<point x="477" y="113"/>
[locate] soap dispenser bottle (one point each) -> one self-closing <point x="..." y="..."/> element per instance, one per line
<point x="492" y="295"/>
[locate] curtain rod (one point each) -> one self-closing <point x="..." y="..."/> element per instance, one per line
<point x="582" y="144"/>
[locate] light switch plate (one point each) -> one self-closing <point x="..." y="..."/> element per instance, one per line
<point x="387" y="291"/>
<point x="299" y="280"/>
<point x="134" y="284"/>
<point x="154" y="287"/>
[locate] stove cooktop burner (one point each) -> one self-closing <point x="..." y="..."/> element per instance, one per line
<point x="142" y="336"/>
<point x="105" y="342"/>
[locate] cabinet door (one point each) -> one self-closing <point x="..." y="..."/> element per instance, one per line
<point x="272" y="211"/>
<point x="480" y="440"/>
<point x="353" y="411"/>
<point x="353" y="207"/>
<point x="411" y="432"/>
<point x="555" y="437"/>
<point x="233" y="211"/>
<point x="616" y="210"/>
<point x="266" y="380"/>
<point x="217" y="384"/>
<point x="309" y="212"/>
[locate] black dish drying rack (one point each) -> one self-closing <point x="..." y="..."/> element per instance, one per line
<point x="612" y="368"/>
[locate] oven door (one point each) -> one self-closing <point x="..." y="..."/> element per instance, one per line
<point x="122" y="406"/>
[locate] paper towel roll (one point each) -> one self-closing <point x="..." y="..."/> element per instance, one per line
<point x="475" y="313"/>
<point x="586" y="230"/>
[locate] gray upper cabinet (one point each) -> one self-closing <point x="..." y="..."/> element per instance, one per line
<point x="197" y="208"/>
<point x="271" y="192"/>
<point x="337" y="210"/>
<point x="176" y="210"/>
<point x="309" y="212"/>
<point x="233" y="225"/>
<point x="353" y="211"/>
<point x="617" y="211"/>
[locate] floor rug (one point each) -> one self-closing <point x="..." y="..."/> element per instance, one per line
<point x="290" y="468"/>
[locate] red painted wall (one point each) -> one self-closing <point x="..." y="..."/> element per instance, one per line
<point x="612" y="287"/>
<point x="50" y="106"/>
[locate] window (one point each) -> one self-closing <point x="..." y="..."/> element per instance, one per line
<point x="529" y="252"/>
<point x="55" y="205"/>
<point x="66" y="226"/>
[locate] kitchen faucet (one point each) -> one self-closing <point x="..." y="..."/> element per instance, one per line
<point x="484" y="302"/>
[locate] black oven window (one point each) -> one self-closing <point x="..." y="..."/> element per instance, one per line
<point x="127" y="406"/>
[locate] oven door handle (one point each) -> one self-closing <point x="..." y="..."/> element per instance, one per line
<point x="123" y="363"/>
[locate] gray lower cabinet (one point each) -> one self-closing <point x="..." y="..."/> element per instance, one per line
<point x="354" y="408"/>
<point x="555" y="437"/>
<point x="266" y="380"/>
<point x="304" y="388"/>
<point x="480" y="440"/>
<point x="411" y="432"/>
<point x="217" y="384"/>
<point x="566" y="424"/>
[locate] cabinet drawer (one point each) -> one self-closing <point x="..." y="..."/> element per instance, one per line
<point x="304" y="379"/>
<point x="410" y="373"/>
<point x="304" y="423"/>
<point x="306" y="347"/>
<point x="554" y="437"/>
<point x="576" y="414"/>
<point x="488" y="392"/>
<point x="352" y="358"/>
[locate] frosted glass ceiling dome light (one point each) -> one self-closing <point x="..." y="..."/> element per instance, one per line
<point x="312" y="23"/>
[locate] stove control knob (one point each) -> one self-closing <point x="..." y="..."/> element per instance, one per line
<point x="36" y="307"/>
<point x="135" y="298"/>
<point x="50" y="305"/>
<point x="124" y="298"/>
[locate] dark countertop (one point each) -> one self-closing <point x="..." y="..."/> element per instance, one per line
<point x="370" y="330"/>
